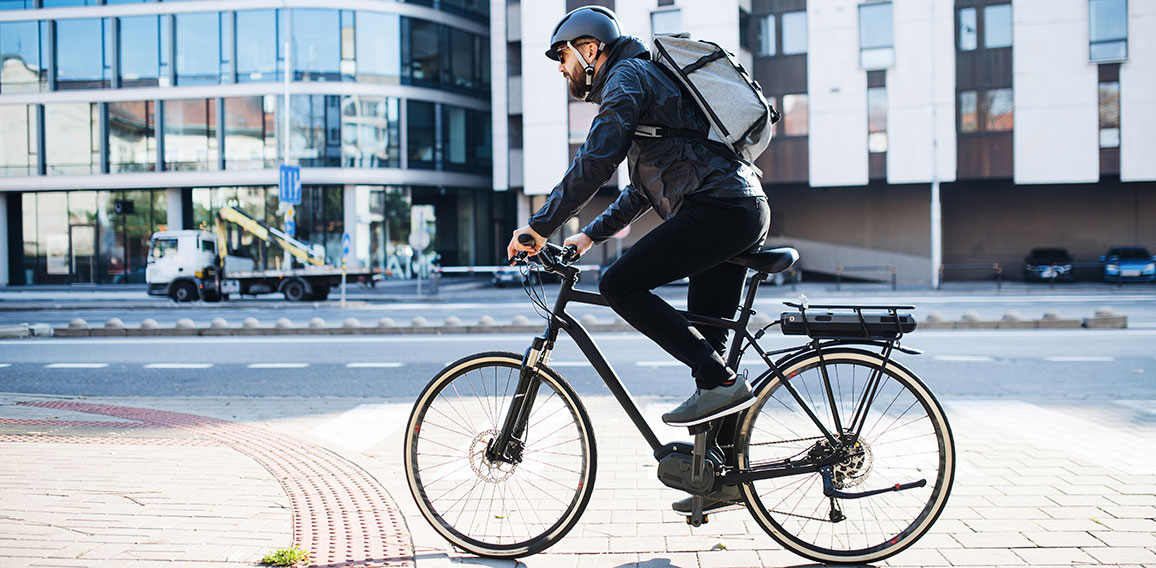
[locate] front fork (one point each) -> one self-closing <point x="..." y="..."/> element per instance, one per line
<point x="511" y="439"/>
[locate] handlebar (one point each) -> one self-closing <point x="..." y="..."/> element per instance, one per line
<point x="551" y="256"/>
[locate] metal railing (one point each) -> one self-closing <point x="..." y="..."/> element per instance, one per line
<point x="995" y="267"/>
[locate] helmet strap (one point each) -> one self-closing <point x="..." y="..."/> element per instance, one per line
<point x="588" y="66"/>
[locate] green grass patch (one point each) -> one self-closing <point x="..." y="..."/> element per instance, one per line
<point x="291" y="556"/>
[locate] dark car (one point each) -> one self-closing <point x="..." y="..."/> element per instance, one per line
<point x="1134" y="264"/>
<point x="1046" y="264"/>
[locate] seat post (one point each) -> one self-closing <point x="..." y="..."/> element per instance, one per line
<point x="744" y="318"/>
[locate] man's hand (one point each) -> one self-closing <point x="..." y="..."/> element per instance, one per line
<point x="514" y="247"/>
<point x="580" y="242"/>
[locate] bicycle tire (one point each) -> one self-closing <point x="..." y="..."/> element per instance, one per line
<point x="906" y="437"/>
<point x="498" y="510"/>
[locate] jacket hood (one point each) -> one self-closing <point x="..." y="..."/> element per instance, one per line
<point x="626" y="47"/>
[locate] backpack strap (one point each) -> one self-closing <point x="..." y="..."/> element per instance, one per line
<point x="648" y="131"/>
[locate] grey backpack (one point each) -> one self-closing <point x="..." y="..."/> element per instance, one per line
<point x="740" y="117"/>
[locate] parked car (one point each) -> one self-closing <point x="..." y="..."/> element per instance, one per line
<point x="1049" y="263"/>
<point x="512" y="276"/>
<point x="1129" y="264"/>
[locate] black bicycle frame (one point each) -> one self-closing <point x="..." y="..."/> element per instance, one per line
<point x="560" y="320"/>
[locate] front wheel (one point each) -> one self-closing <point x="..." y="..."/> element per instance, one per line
<point x="905" y="439"/>
<point x="490" y="507"/>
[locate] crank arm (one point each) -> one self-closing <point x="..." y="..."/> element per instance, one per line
<point x="830" y="491"/>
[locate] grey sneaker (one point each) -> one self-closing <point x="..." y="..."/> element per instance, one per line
<point x="726" y="499"/>
<point x="707" y="404"/>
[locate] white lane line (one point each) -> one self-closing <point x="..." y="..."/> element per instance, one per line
<point x="1080" y="359"/>
<point x="963" y="358"/>
<point x="371" y="365"/>
<point x="569" y="363"/>
<point x="278" y="365"/>
<point x="178" y="365"/>
<point x="659" y="364"/>
<point x="76" y="366"/>
<point x="2" y="365"/>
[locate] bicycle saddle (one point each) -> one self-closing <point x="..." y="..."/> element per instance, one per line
<point x="768" y="260"/>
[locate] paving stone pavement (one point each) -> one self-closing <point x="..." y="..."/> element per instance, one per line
<point x="1036" y="485"/>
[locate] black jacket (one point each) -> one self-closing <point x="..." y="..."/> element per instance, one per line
<point x="631" y="90"/>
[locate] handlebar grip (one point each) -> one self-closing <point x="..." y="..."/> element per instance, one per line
<point x="526" y="239"/>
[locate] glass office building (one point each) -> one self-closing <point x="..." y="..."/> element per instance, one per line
<point x="119" y="118"/>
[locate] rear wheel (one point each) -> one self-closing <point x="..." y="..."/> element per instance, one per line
<point x="294" y="290"/>
<point x="490" y="507"/>
<point x="905" y="439"/>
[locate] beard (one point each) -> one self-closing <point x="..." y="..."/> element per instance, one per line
<point x="577" y="88"/>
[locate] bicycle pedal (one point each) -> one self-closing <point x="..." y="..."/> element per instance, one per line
<point x="690" y="520"/>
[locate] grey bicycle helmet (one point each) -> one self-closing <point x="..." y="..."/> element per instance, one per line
<point x="588" y="21"/>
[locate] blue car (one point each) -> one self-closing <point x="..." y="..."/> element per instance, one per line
<point x="1134" y="264"/>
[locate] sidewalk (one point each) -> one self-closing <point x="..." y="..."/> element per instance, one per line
<point x="220" y="482"/>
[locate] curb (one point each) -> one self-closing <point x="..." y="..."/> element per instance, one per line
<point x="1104" y="318"/>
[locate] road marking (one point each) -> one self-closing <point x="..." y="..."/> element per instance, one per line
<point x="569" y="363"/>
<point x="178" y="365"/>
<point x="1080" y="359"/>
<point x="76" y="365"/>
<point x="963" y="358"/>
<point x="278" y="365"/>
<point x="659" y="364"/>
<point x="2" y="365"/>
<point x="371" y="365"/>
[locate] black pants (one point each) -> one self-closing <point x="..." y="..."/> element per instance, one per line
<point x="696" y="242"/>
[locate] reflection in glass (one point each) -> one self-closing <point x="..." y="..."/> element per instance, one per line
<point x="18" y="143"/>
<point x="72" y="132"/>
<point x="348" y="47"/>
<point x="52" y="235"/>
<point x="315" y="130"/>
<point x="967" y="30"/>
<point x="83" y="53"/>
<point x="999" y="110"/>
<point x="795" y="115"/>
<point x="424" y="62"/>
<point x="665" y="22"/>
<point x="132" y="143"/>
<point x="794" y="33"/>
<point x="464" y="59"/>
<point x="19" y="57"/>
<point x="420" y="134"/>
<point x="257" y="45"/>
<point x="249" y="133"/>
<point x="190" y="134"/>
<point x="378" y="41"/>
<point x="1110" y="115"/>
<point x="875" y="36"/>
<point x="316" y="44"/>
<point x="582" y="116"/>
<point x="140" y="51"/>
<point x="968" y="117"/>
<point x="997" y="26"/>
<point x="877" y="119"/>
<point x="767" y="41"/>
<point x="370" y="132"/>
<point x="1108" y="29"/>
<point x="198" y="48"/>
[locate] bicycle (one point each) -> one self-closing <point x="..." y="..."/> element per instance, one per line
<point x="846" y="456"/>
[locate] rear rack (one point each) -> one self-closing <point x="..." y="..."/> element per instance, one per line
<point x="839" y="321"/>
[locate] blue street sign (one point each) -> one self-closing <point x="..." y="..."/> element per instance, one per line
<point x="289" y="186"/>
<point x="345" y="241"/>
<point x="291" y="228"/>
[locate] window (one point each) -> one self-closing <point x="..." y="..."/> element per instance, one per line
<point x="968" y="112"/>
<point x="378" y="39"/>
<point x="423" y="63"/>
<point x="999" y="110"/>
<point x="875" y="36"/>
<point x="18" y="144"/>
<point x="794" y="33"/>
<point x="794" y="115"/>
<point x="767" y="41"/>
<point x="140" y="51"/>
<point x="190" y="131"/>
<point x="1108" y="29"/>
<point x="132" y="138"/>
<point x="348" y="63"/>
<point x="198" y="48"/>
<point x="83" y="53"/>
<point x="370" y="132"/>
<point x="877" y="120"/>
<point x="17" y="4"/>
<point x="465" y="55"/>
<point x="1110" y="114"/>
<point x="20" y="54"/>
<point x="581" y="118"/>
<point x="249" y="124"/>
<point x="666" y="22"/>
<point x="997" y="26"/>
<point x="315" y="130"/>
<point x="257" y="45"/>
<point x="316" y="45"/>
<point x="968" y="32"/>
<point x="420" y="133"/>
<point x="72" y="138"/>
<point x="745" y="40"/>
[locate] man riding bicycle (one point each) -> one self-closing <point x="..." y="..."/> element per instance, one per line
<point x="711" y="201"/>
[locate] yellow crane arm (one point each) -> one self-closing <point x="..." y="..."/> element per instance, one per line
<point x="263" y="232"/>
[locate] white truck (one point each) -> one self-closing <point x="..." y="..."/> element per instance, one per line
<point x="189" y="264"/>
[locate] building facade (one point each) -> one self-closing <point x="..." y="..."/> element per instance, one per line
<point x="935" y="138"/>
<point x="119" y="118"/>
